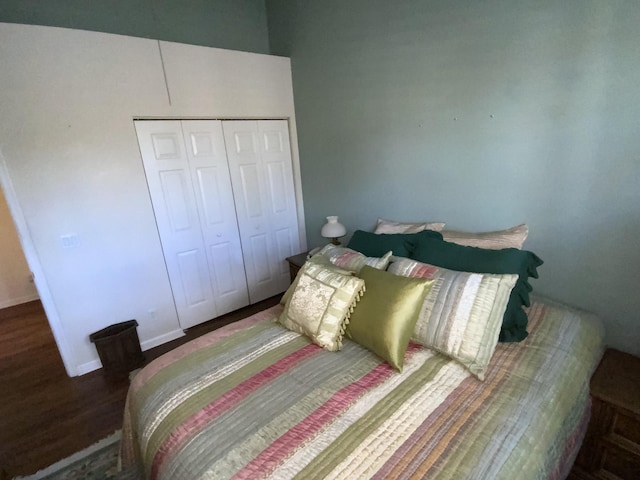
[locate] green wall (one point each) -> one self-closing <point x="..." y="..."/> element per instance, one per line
<point x="484" y="115"/>
<point x="232" y="24"/>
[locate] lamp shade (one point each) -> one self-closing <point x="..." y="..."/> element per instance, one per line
<point x="333" y="229"/>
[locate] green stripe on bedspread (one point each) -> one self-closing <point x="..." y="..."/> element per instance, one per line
<point x="265" y="402"/>
<point x="271" y="411"/>
<point x="203" y="394"/>
<point x="367" y="425"/>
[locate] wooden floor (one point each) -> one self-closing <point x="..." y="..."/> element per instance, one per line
<point x="45" y="415"/>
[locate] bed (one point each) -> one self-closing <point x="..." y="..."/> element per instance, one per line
<point x="258" y="400"/>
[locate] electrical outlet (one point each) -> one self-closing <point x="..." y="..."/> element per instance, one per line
<point x="70" y="240"/>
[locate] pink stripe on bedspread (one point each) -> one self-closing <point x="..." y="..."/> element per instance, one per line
<point x="571" y="448"/>
<point x="193" y="425"/>
<point x="201" y="342"/>
<point x="269" y="458"/>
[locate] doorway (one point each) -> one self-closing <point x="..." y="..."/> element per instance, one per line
<point x="16" y="282"/>
<point x="17" y="224"/>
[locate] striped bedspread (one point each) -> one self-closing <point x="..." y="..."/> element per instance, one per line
<point x="254" y="400"/>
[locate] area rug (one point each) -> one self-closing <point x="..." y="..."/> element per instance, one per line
<point x="97" y="462"/>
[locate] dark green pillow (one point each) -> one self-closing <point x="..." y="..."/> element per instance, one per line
<point x="377" y="244"/>
<point x="386" y="315"/>
<point x="480" y="260"/>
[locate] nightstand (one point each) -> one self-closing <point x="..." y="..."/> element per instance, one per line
<point x="611" y="449"/>
<point x="295" y="264"/>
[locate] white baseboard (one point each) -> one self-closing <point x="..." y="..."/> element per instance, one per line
<point x="17" y="301"/>
<point x="89" y="366"/>
<point x="146" y="345"/>
<point x="161" y="339"/>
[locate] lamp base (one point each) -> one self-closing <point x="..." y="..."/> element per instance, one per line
<point x="335" y="241"/>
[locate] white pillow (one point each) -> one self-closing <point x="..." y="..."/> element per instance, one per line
<point x="513" y="237"/>
<point x="351" y="260"/>
<point x="390" y="226"/>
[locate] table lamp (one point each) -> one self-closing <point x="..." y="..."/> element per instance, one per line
<point x="333" y="230"/>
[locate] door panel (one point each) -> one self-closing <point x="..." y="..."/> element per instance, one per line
<point x="284" y="243"/>
<point x="188" y="176"/>
<point x="170" y="186"/>
<point x="245" y="142"/>
<point x="280" y="195"/>
<point x="260" y="249"/>
<point x="251" y="190"/>
<point x="262" y="179"/>
<point x="277" y="187"/>
<point x="214" y="196"/>
<point x="225" y="269"/>
<point x="166" y="146"/>
<point x="209" y="186"/>
<point x="176" y="200"/>
<point x="194" y="279"/>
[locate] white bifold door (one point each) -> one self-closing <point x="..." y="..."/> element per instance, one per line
<point x="260" y="164"/>
<point x="217" y="260"/>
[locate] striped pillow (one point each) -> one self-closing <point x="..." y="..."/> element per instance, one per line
<point x="462" y="314"/>
<point x="351" y="260"/>
<point x="513" y="237"/>
<point x="389" y="226"/>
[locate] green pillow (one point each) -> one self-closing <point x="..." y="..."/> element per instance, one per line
<point x="385" y="317"/>
<point x="479" y="260"/>
<point x="377" y="244"/>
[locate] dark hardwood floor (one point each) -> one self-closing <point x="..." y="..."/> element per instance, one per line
<point x="45" y="415"/>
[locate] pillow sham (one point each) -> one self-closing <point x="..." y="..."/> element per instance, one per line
<point x="315" y="259"/>
<point x="462" y="314"/>
<point x="386" y="316"/>
<point x="479" y="260"/>
<point x="376" y="245"/>
<point x="389" y="226"/>
<point x="513" y="237"/>
<point x="321" y="303"/>
<point x="351" y="260"/>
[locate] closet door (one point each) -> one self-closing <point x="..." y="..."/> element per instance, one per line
<point x="184" y="198"/>
<point x="259" y="158"/>
<point x="214" y="197"/>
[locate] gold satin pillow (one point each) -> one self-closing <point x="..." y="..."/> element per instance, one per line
<point x="386" y="315"/>
<point x="322" y="299"/>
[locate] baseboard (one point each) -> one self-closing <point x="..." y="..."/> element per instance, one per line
<point x="88" y="367"/>
<point x="146" y="345"/>
<point x="161" y="339"/>
<point x="17" y="301"/>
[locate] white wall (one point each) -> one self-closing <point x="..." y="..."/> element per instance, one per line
<point x="15" y="278"/>
<point x="68" y="100"/>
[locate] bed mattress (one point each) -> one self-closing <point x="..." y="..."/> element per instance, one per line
<point x="254" y="400"/>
